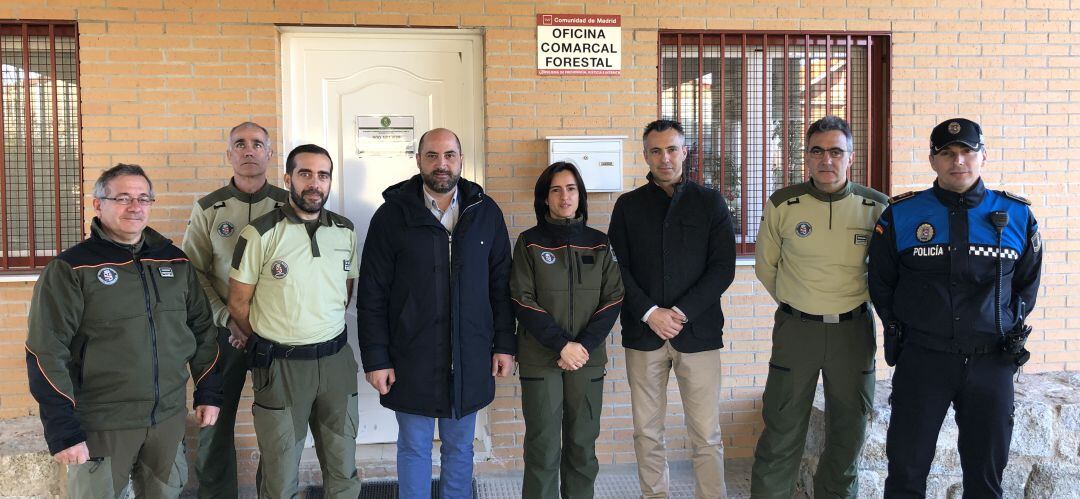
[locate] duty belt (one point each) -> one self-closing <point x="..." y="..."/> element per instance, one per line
<point x="827" y="318"/>
<point x="302" y="352"/>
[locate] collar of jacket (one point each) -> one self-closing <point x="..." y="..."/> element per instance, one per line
<point x="253" y="197"/>
<point x="292" y="217"/>
<point x="968" y="199"/>
<point x="150" y="240"/>
<point x="409" y="195"/>
<point x="675" y="194"/>
<point x="563" y="228"/>
<point x="827" y="197"/>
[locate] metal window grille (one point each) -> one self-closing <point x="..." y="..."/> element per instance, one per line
<point x="41" y="210"/>
<point x="745" y="100"/>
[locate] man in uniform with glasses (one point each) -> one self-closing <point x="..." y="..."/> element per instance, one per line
<point x="116" y="324"/>
<point x="811" y="257"/>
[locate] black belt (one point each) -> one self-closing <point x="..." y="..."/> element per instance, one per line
<point x="828" y="318"/>
<point x="302" y="352"/>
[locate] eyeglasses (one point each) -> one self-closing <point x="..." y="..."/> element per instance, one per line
<point x="834" y="153"/>
<point x="127" y="200"/>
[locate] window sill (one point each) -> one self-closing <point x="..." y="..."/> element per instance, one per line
<point x="19" y="277"/>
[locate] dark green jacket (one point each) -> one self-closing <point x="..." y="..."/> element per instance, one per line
<point x="566" y="286"/>
<point x="114" y="329"/>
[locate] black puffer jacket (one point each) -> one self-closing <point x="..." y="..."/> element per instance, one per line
<point x="434" y="320"/>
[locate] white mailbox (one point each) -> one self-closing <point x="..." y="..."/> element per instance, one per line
<point x="598" y="158"/>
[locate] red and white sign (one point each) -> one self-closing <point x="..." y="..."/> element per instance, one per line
<point x="578" y="44"/>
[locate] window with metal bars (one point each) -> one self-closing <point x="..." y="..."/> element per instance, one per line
<point x="41" y="211"/>
<point x="745" y="100"/>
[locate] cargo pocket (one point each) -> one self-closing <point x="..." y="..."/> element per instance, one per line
<point x="272" y="417"/>
<point x="91" y="480"/>
<point x="594" y="393"/>
<point x="866" y="391"/>
<point x="535" y="401"/>
<point x="777" y="394"/>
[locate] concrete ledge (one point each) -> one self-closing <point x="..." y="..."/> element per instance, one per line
<point x="26" y="467"/>
<point x="1044" y="460"/>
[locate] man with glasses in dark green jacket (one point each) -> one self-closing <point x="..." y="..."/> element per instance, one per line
<point x="116" y="323"/>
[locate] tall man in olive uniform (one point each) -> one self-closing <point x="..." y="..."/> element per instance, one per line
<point x="292" y="275"/>
<point x="116" y="324"/>
<point x="213" y="229"/>
<point x="811" y="257"/>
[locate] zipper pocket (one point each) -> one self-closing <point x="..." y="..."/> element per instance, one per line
<point x="153" y="281"/>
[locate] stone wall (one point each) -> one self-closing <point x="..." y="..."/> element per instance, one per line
<point x="1044" y="461"/>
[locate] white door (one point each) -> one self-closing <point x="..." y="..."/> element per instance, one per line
<point x="335" y="81"/>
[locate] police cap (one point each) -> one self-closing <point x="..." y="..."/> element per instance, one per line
<point x="956" y="131"/>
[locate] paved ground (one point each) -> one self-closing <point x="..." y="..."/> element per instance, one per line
<point x="621" y="482"/>
<point x="614" y="482"/>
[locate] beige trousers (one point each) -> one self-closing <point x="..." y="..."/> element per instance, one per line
<point x="698" y="375"/>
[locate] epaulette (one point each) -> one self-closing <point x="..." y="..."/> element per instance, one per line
<point x="1015" y="197"/>
<point x="902" y="197"/>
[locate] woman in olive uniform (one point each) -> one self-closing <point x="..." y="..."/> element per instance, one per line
<point x="567" y="293"/>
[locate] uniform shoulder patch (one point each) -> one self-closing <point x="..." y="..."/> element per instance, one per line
<point x="1015" y="197"/>
<point x="902" y="197"/>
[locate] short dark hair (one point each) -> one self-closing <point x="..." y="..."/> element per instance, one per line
<point x="828" y="124"/>
<point x="249" y="124"/>
<point x="663" y="126"/>
<point x="543" y="185"/>
<point x="121" y="169"/>
<point x="420" y="144"/>
<point x="290" y="162"/>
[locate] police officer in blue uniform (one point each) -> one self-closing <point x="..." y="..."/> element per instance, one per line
<point x="953" y="272"/>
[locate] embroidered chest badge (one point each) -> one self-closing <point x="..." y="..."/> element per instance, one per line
<point x="547" y="257"/>
<point x="108" y="276"/>
<point x="226" y="229"/>
<point x="924" y="232"/>
<point x="803" y="229"/>
<point x="279" y="269"/>
<point x="165" y="271"/>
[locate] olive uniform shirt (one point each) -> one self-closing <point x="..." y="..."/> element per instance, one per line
<point x="300" y="277"/>
<point x="812" y="246"/>
<point x="213" y="229"/>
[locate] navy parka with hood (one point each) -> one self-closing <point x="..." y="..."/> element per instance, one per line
<point x="435" y="305"/>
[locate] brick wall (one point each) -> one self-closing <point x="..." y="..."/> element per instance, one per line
<point x="164" y="80"/>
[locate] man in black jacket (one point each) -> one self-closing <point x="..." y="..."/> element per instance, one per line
<point x="676" y="249"/>
<point x="433" y="313"/>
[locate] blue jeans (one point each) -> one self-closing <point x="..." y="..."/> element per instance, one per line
<point x="415" y="436"/>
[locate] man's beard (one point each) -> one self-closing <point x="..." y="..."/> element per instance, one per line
<point x="438" y="186"/>
<point x="305" y="205"/>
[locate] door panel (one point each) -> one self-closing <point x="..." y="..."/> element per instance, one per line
<point x="331" y="77"/>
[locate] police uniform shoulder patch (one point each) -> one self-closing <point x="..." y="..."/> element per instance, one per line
<point x="924" y="232"/>
<point x="1036" y="242"/>
<point x="1016" y="197"/>
<point x="902" y="197"/>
